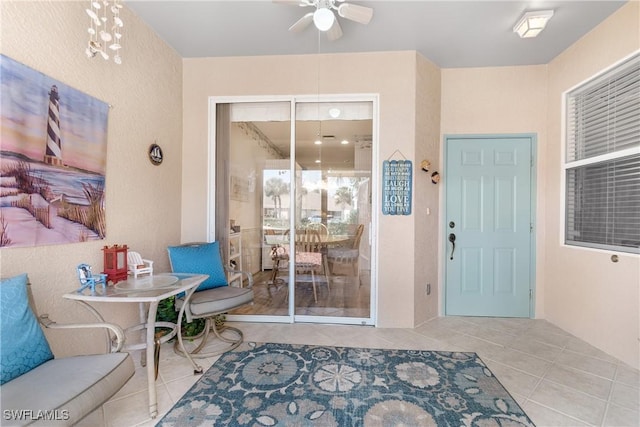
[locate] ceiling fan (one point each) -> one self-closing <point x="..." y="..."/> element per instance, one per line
<point x="325" y="19"/>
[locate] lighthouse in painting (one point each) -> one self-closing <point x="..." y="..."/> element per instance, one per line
<point x="53" y="155"/>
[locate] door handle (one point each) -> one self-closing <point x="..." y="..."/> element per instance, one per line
<point x="452" y="239"/>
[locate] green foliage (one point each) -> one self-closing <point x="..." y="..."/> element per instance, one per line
<point x="167" y="313"/>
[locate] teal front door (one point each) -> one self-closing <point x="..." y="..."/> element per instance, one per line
<point x="488" y="227"/>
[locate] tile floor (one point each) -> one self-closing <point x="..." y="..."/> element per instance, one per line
<point x="558" y="379"/>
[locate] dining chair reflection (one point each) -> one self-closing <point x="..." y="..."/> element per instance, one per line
<point x="307" y="260"/>
<point x="347" y="255"/>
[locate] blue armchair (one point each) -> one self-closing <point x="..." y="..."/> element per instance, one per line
<point x="212" y="298"/>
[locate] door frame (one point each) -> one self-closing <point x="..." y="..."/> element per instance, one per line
<point x="375" y="202"/>
<point x="533" y="138"/>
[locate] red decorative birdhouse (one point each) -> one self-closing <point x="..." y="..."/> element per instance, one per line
<point x="115" y="263"/>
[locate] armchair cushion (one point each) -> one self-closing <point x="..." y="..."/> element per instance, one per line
<point x="200" y="259"/>
<point x="73" y="386"/>
<point x="22" y="343"/>
<point x="217" y="300"/>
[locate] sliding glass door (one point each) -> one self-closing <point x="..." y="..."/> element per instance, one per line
<point x="293" y="185"/>
<point x="333" y="209"/>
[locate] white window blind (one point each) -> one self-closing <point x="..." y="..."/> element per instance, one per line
<point x="602" y="166"/>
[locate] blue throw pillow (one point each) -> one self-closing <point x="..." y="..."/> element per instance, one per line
<point x="202" y="259"/>
<point x="23" y="345"/>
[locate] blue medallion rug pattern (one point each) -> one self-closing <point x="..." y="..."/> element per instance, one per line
<point x="302" y="385"/>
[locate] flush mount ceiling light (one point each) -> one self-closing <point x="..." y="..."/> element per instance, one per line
<point x="324" y="17"/>
<point x="532" y="23"/>
<point x="105" y="29"/>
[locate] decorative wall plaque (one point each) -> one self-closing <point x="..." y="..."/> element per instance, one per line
<point x="396" y="187"/>
<point x="155" y="154"/>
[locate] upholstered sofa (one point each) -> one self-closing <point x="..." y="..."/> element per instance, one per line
<point x="37" y="388"/>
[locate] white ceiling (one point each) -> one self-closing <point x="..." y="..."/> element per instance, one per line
<point x="450" y="33"/>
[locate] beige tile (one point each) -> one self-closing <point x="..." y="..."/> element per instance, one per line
<point x="484" y="349"/>
<point x="437" y="331"/>
<point x="618" y="416"/>
<point x="407" y="339"/>
<point x="350" y="336"/>
<point x="134" y="409"/>
<point x="572" y="394"/>
<point x="512" y="326"/>
<point x="550" y="338"/>
<point x="546" y="417"/>
<point x="136" y="384"/>
<point x="570" y="402"/>
<point x="542" y="326"/>
<point x="588" y="364"/>
<point x="492" y="335"/>
<point x="580" y="346"/>
<point x="94" y="419"/>
<point x="451" y="323"/>
<point x="625" y="396"/>
<point x="515" y="381"/>
<point x="520" y="399"/>
<point x="627" y="375"/>
<point x="178" y="388"/>
<point x="581" y="381"/>
<point x="523" y="362"/>
<point x="536" y="348"/>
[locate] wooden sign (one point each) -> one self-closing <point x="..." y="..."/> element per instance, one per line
<point x="396" y="187"/>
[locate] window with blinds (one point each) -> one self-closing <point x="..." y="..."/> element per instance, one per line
<point x="602" y="166"/>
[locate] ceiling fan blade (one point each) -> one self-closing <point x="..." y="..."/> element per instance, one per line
<point x="302" y="23"/>
<point x="335" y="32"/>
<point x="355" y="12"/>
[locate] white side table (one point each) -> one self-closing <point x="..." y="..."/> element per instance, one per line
<point x="146" y="291"/>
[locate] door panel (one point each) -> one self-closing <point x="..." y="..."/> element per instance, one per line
<point x="488" y="203"/>
<point x="334" y="199"/>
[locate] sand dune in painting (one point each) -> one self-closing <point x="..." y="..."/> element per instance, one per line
<point x="30" y="214"/>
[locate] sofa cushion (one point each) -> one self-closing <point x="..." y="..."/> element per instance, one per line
<point x="23" y="345"/>
<point x="70" y="387"/>
<point x="202" y="258"/>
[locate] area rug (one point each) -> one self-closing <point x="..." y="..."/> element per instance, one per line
<point x="302" y="385"/>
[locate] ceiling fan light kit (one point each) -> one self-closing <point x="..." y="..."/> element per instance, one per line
<point x="532" y="23"/>
<point x="324" y="17"/>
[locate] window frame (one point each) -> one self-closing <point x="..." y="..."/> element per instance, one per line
<point x="567" y="165"/>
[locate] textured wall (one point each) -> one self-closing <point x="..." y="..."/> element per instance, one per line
<point x="579" y="290"/>
<point x="427" y="215"/>
<point x="586" y="294"/>
<point x="142" y="200"/>
<point x="503" y="100"/>
<point x="391" y="75"/>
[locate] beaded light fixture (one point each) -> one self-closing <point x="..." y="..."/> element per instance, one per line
<point x="105" y="29"/>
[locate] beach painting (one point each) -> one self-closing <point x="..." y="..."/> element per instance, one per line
<point x="53" y="158"/>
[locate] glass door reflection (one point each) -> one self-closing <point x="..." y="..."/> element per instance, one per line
<point x="333" y="209"/>
<point x="321" y="201"/>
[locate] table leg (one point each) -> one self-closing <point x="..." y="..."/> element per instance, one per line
<point x="325" y="267"/>
<point x="142" y="313"/>
<point x="151" y="362"/>
<point x="313" y="283"/>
